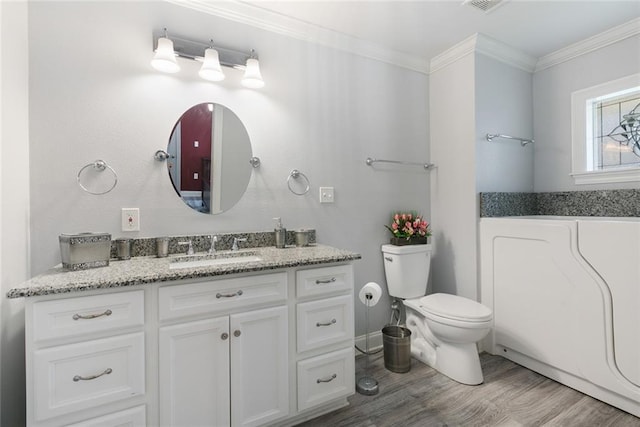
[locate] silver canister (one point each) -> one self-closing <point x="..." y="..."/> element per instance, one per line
<point x="162" y="244"/>
<point x="80" y="251"/>
<point x="281" y="237"/>
<point x="123" y="248"/>
<point x="302" y="238"/>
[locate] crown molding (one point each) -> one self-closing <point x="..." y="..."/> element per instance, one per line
<point x="485" y="45"/>
<point x="502" y="52"/>
<point x="613" y="35"/>
<point x="454" y="53"/>
<point x="257" y="17"/>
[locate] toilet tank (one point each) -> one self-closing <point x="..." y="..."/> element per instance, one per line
<point x="406" y="269"/>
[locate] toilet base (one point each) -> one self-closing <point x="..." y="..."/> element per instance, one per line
<point x="461" y="362"/>
<point x="458" y="361"/>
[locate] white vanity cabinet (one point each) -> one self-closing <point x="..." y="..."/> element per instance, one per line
<point x="325" y="365"/>
<point x="225" y="370"/>
<point x="85" y="353"/>
<point x="265" y="348"/>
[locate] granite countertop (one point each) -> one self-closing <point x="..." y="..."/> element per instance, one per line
<point x="141" y="270"/>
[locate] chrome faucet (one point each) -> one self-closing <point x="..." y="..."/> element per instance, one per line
<point x="189" y="249"/>
<point x="235" y="243"/>
<point x="214" y="240"/>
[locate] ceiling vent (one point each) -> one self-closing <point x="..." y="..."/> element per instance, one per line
<point x="484" y="5"/>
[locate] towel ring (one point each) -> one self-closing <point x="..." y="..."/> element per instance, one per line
<point x="295" y="174"/>
<point x="99" y="166"/>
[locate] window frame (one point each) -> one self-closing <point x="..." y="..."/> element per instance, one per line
<point x="582" y="138"/>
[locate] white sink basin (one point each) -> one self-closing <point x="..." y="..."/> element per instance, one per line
<point x="208" y="261"/>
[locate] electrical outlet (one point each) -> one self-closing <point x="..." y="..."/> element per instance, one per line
<point x="130" y="219"/>
<point x="326" y="194"/>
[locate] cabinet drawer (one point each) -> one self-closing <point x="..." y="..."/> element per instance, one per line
<point x="326" y="377"/>
<point x="133" y="417"/>
<point x="324" y="322"/>
<point x="85" y="375"/>
<point x="325" y="280"/>
<point x="70" y="317"/>
<point x="221" y="295"/>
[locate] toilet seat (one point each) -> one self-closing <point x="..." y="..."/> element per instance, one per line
<point x="454" y="307"/>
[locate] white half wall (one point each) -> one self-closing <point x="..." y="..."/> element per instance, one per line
<point x="453" y="182"/>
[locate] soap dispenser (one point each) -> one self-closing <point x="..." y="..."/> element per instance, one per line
<point x="280" y="233"/>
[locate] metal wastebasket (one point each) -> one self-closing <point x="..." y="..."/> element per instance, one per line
<point x="396" y="341"/>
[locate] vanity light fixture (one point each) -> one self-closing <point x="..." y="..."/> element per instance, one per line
<point x="212" y="59"/>
<point x="211" y="69"/>
<point x="165" y="58"/>
<point x="252" y="77"/>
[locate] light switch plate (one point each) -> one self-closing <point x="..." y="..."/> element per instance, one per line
<point x="130" y="219"/>
<point x="326" y="195"/>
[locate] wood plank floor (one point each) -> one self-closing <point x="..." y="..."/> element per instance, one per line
<point x="510" y="396"/>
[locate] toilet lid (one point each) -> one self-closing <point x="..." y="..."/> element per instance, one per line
<point x="456" y="307"/>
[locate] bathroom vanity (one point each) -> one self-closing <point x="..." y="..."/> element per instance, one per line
<point x="146" y="341"/>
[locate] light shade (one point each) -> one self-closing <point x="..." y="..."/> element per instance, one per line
<point x="211" y="69"/>
<point x="252" y="77"/>
<point x="165" y="58"/>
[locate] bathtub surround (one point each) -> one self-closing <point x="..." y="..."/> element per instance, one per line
<point x="604" y="203"/>
<point x="564" y="305"/>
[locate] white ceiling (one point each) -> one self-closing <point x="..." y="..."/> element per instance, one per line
<point x="426" y="28"/>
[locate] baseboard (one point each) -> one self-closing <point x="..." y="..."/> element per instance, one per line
<point x="375" y="342"/>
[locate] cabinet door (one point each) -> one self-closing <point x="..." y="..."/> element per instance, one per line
<point x="259" y="366"/>
<point x="194" y="373"/>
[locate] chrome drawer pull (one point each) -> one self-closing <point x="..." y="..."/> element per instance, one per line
<point x="323" y="282"/>
<point x="328" y="380"/>
<point x="92" y="377"/>
<point x="333" y="321"/>
<point x="219" y="295"/>
<point x="92" y="316"/>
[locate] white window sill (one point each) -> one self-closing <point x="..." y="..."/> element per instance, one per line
<point x="607" y="176"/>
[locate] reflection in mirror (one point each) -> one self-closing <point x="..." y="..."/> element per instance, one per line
<point x="209" y="152"/>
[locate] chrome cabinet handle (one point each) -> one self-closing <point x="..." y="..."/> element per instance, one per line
<point x="328" y="380"/>
<point x="237" y="333"/>
<point x="333" y="321"/>
<point x="224" y="336"/>
<point x="92" y="316"/>
<point x="219" y="295"/>
<point x="92" y="377"/>
<point x="320" y="282"/>
<point x="388" y="258"/>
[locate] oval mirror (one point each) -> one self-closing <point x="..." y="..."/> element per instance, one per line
<point x="209" y="152"/>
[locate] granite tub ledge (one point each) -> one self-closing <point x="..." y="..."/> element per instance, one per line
<point x="142" y="270"/>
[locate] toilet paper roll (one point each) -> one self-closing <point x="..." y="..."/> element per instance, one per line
<point x="373" y="289"/>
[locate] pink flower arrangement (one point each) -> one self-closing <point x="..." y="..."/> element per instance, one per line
<point x="408" y="225"/>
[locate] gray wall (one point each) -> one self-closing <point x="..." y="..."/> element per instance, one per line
<point x="504" y="105"/>
<point x="552" y="90"/>
<point x="469" y="98"/>
<point x="14" y="199"/>
<point x="93" y="95"/>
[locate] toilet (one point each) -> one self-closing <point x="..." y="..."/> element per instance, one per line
<point x="444" y="328"/>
